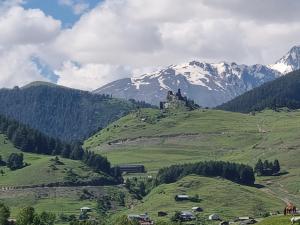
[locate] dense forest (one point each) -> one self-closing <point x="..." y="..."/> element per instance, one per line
<point x="282" y="92"/>
<point x="238" y="173"/>
<point x="61" y="112"/>
<point x="33" y="141"/>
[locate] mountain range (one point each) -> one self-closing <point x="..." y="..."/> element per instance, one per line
<point x="209" y="84"/>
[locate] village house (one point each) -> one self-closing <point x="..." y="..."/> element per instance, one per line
<point x="186" y="216"/>
<point x="142" y="219"/>
<point x="132" y="168"/>
<point x="84" y="213"/>
<point x="85" y="209"/>
<point x="214" y="217"/>
<point x="182" y="197"/>
<point x="243" y="218"/>
<point x="197" y="209"/>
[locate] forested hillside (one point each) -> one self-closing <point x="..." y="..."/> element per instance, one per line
<point x="33" y="141"/>
<point x="61" y="112"/>
<point x="282" y="92"/>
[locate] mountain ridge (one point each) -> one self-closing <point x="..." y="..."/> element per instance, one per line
<point x="60" y="112"/>
<point x="209" y="84"/>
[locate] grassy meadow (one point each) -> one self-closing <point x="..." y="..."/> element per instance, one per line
<point x="41" y="169"/>
<point x="220" y="196"/>
<point x="158" y="139"/>
<point x="58" y="200"/>
<point x="276" y="220"/>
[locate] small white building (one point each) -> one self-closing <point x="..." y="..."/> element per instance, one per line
<point x="214" y="217"/>
<point x="85" y="209"/>
<point x="242" y="218"/>
<point x="182" y="197"/>
<point x="187" y="216"/>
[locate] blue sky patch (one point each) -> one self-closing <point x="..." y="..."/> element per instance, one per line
<point x="58" y="11"/>
<point x="45" y="70"/>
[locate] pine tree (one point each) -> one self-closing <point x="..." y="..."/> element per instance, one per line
<point x="259" y="168"/>
<point x="276" y="166"/>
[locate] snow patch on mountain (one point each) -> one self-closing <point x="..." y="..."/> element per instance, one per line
<point x="208" y="84"/>
<point x="289" y="62"/>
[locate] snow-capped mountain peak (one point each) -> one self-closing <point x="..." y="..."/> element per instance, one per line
<point x="289" y="62"/>
<point x="209" y="84"/>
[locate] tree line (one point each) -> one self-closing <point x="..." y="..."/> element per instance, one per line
<point x="14" y="161"/>
<point x="239" y="173"/>
<point x="26" y="216"/>
<point x="30" y="140"/>
<point x="267" y="168"/>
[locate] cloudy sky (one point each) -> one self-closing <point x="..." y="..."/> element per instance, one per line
<point x="88" y="43"/>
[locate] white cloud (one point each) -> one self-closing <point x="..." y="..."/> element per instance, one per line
<point x="78" y="6"/>
<point x="120" y="37"/>
<point x="7" y="4"/>
<point x="155" y="32"/>
<point x="89" y="76"/>
<point x="23" y="34"/>
<point x="19" y="27"/>
<point x="16" y="68"/>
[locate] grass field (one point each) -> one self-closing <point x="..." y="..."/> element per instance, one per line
<point x="157" y="140"/>
<point x="227" y="199"/>
<point x="58" y="200"/>
<point x="276" y="220"/>
<point x="61" y="200"/>
<point x="41" y="169"/>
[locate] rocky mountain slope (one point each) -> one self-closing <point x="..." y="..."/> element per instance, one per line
<point x="209" y="84"/>
<point x="288" y="63"/>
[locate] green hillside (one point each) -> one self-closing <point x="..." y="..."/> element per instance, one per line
<point x="41" y="168"/>
<point x="282" y="92"/>
<point x="276" y="220"/>
<point x="227" y="199"/>
<point x="24" y="187"/>
<point x="157" y="140"/>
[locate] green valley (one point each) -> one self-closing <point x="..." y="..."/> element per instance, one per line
<point x="158" y="139"/>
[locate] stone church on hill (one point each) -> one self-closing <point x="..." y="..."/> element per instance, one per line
<point x="177" y="101"/>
